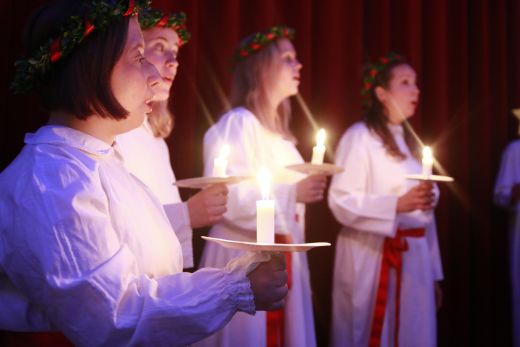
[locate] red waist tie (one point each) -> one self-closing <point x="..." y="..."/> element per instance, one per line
<point x="393" y="249"/>
<point x="275" y="319"/>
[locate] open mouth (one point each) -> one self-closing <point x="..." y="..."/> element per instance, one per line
<point x="149" y="102"/>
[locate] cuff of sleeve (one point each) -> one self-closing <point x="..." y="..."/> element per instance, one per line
<point x="240" y="292"/>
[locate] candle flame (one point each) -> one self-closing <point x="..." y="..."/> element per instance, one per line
<point x="264" y="180"/>
<point x="427" y="155"/>
<point x="224" y="151"/>
<point x="320" y="137"/>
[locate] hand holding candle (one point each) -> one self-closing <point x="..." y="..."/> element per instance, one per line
<point x="264" y="209"/>
<point x="427" y="161"/>
<point x="318" y="151"/>
<point x="220" y="162"/>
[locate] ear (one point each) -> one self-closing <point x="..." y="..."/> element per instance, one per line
<point x="380" y="93"/>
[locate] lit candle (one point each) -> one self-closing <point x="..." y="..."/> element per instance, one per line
<point x="264" y="210"/>
<point x="220" y="162"/>
<point x="318" y="151"/>
<point x="427" y="161"/>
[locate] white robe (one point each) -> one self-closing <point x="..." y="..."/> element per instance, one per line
<point x="252" y="146"/>
<point x="86" y="249"/>
<point x="147" y="157"/>
<point x="363" y="199"/>
<point x="508" y="176"/>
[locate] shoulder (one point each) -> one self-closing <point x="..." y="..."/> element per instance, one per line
<point x="239" y="117"/>
<point x="513" y="148"/>
<point x="46" y="185"/>
<point x="47" y="169"/>
<point x="234" y="123"/>
<point x="133" y="136"/>
<point x="357" y="132"/>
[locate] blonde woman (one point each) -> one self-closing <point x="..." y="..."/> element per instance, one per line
<point x="144" y="149"/>
<point x="266" y="75"/>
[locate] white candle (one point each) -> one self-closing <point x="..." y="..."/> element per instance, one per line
<point x="264" y="210"/>
<point x="427" y="161"/>
<point x="220" y="162"/>
<point x="318" y="151"/>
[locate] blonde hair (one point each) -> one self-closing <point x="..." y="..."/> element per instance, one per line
<point x="253" y="79"/>
<point x="161" y="119"/>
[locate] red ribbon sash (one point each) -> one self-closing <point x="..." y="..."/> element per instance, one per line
<point x="393" y="249"/>
<point x="275" y="320"/>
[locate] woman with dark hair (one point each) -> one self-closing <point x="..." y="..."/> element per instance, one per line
<point x="387" y="220"/>
<point x="266" y="75"/>
<point x="144" y="149"/>
<point x="85" y="248"/>
<point x="507" y="196"/>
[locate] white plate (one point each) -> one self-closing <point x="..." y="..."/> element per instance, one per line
<point x="434" y="178"/>
<point x="309" y="168"/>
<point x="202" y="182"/>
<point x="271" y="247"/>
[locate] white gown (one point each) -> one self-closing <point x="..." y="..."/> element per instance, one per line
<point x="86" y="249"/>
<point x="252" y="146"/>
<point x="508" y="176"/>
<point x="363" y="199"/>
<point x="147" y="157"/>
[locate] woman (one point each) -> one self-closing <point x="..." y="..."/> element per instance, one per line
<point x="86" y="249"/>
<point x="507" y="196"/>
<point x="384" y="217"/>
<point x="144" y="149"/>
<point x="257" y="132"/>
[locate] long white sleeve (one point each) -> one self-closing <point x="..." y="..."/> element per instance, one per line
<point x="81" y="239"/>
<point x="435" y="254"/>
<point x="350" y="195"/>
<point x="249" y="144"/>
<point x="508" y="175"/>
<point x="148" y="158"/>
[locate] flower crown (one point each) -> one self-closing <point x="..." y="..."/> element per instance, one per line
<point x="156" y="18"/>
<point x="33" y="71"/>
<point x="255" y="42"/>
<point x="372" y="70"/>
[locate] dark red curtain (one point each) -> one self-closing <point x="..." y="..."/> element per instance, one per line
<point x="466" y="54"/>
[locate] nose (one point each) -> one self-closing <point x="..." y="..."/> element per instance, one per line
<point x="416" y="89"/>
<point x="299" y="65"/>
<point x="171" y="60"/>
<point x="153" y="76"/>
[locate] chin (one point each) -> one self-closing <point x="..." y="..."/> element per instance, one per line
<point x="410" y="114"/>
<point x="162" y="95"/>
<point x="293" y="92"/>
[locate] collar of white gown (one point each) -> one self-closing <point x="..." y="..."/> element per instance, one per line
<point x="396" y="129"/>
<point x="61" y="135"/>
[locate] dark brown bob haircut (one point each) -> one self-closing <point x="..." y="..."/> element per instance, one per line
<point x="79" y="83"/>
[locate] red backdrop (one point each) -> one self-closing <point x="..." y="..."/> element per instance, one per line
<point x="466" y="54"/>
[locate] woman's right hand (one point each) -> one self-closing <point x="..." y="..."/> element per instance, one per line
<point x="420" y="197"/>
<point x="269" y="283"/>
<point x="311" y="188"/>
<point x="208" y="206"/>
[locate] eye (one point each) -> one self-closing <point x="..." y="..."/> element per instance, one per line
<point x="288" y="58"/>
<point x="159" y="47"/>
